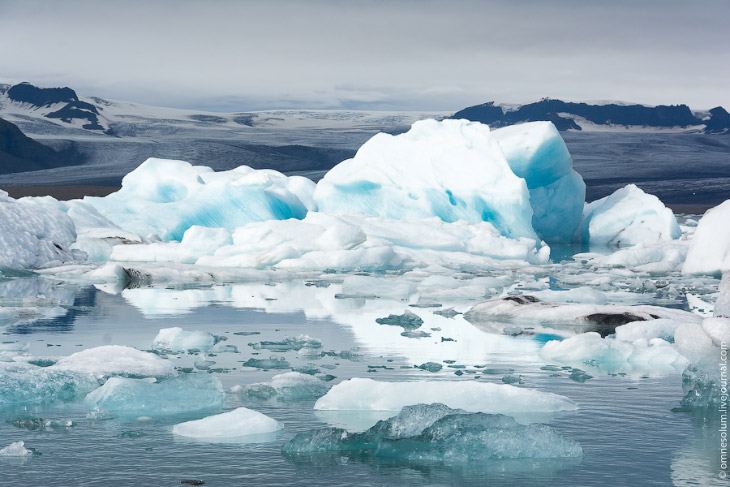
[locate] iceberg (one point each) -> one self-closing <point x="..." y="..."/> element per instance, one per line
<point x="613" y="354"/>
<point x="32" y="236"/>
<point x="709" y="251"/>
<point x="537" y="153"/>
<point x="110" y="360"/>
<point x="627" y="217"/>
<point x="29" y="384"/>
<point x="238" y="423"/>
<point x="182" y="394"/>
<point x="435" y="433"/>
<point x="565" y="318"/>
<point x="177" y="340"/>
<point x="290" y="386"/>
<point x="366" y="394"/>
<point x="167" y="197"/>
<point x="453" y="169"/>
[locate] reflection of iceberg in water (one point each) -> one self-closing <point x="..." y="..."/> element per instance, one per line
<point x="700" y="464"/>
<point x="33" y="302"/>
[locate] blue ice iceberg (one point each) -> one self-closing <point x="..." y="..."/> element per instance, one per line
<point x="166" y="197"/>
<point x="182" y="394"/>
<point x="436" y="434"/>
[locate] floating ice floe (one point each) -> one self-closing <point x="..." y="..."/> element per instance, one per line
<point x="185" y="393"/>
<point x="290" y="386"/>
<point x="366" y="394"/>
<point x="110" y="360"/>
<point x="531" y="314"/>
<point x="178" y="340"/>
<point x="33" y="236"/>
<point x="240" y="422"/>
<point x="709" y="251"/>
<point x="435" y="433"/>
<point x="627" y="217"/>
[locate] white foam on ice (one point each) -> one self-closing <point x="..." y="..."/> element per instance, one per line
<point x="238" y="423"/>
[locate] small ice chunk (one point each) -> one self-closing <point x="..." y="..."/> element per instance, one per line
<point x="290" y="386"/>
<point x="272" y="362"/>
<point x="408" y="320"/>
<point x="111" y="360"/>
<point x="289" y="343"/>
<point x="16" y="449"/>
<point x="185" y="393"/>
<point x="178" y="340"/>
<point x="366" y="394"/>
<point x="232" y="424"/>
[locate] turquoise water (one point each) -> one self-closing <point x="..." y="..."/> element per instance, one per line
<point x="625" y="423"/>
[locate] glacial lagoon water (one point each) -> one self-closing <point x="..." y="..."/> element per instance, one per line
<point x="625" y="423"/>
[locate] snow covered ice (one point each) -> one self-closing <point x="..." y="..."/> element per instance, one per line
<point x="109" y="360"/>
<point x="240" y="422"/>
<point x="709" y="251"/>
<point x="367" y="394"/>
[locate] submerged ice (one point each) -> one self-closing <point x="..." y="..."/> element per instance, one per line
<point x="435" y="433"/>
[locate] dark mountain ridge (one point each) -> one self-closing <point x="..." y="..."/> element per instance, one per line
<point x="20" y="153"/>
<point x="564" y="115"/>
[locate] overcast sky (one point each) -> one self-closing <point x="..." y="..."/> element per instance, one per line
<point x="431" y="55"/>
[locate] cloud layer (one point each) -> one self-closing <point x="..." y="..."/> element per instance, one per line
<point x="234" y="56"/>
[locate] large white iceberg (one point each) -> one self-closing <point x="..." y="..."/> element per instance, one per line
<point x="109" y="360"/>
<point x="33" y="236"/>
<point x="366" y="394"/>
<point x="627" y="217"/>
<point x="709" y="252"/>
<point x="454" y="170"/>
<point x="166" y="197"/>
<point x="537" y="153"/>
<point x="238" y="423"/>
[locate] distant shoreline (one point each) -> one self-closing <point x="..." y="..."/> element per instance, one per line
<point x="64" y="193"/>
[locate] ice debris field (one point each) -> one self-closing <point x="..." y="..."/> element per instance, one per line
<point x="465" y="255"/>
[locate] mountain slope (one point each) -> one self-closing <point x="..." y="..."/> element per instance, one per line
<point x="19" y="153"/>
<point x="597" y="117"/>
